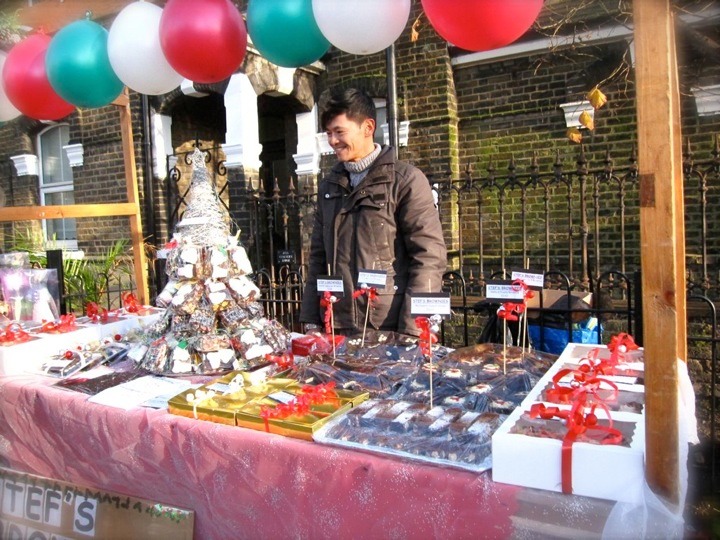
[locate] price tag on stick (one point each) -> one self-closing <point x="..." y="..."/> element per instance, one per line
<point x="372" y="278"/>
<point x="334" y="284"/>
<point x="501" y="291"/>
<point x="429" y="304"/>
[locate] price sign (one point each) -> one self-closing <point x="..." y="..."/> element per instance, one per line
<point x="531" y="279"/>
<point x="333" y="284"/>
<point x="503" y="291"/>
<point x="429" y="304"/>
<point x="372" y="278"/>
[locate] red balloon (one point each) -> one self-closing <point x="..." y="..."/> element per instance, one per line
<point x="26" y="83"/>
<point x="481" y="25"/>
<point x="203" y="40"/>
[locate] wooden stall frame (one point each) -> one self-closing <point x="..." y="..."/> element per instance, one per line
<point x="662" y="238"/>
<point x="131" y="209"/>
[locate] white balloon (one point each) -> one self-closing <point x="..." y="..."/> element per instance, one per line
<point x="135" y="53"/>
<point x="7" y="109"/>
<point x="361" y="26"/>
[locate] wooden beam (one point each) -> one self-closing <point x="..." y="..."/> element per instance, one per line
<point x="21" y="213"/>
<point x="662" y="237"/>
<point x="52" y="15"/>
<point x="136" y="237"/>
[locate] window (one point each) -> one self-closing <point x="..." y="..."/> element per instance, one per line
<point x="56" y="184"/>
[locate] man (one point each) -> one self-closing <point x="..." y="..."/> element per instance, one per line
<point x="373" y="213"/>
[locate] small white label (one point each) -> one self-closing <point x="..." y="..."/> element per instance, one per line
<point x="502" y="290"/>
<point x="331" y="284"/>
<point x="430" y="304"/>
<point x="372" y="278"/>
<point x="282" y="397"/>
<point x="535" y="281"/>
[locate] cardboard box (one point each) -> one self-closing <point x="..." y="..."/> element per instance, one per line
<point x="610" y="472"/>
<point x="550" y="296"/>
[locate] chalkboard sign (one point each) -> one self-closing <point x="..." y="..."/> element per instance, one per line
<point x="285" y="256"/>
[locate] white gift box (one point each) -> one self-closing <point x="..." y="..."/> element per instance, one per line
<point x="30" y="356"/>
<point x="613" y="472"/>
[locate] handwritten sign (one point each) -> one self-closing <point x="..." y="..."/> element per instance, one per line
<point x="503" y="291"/>
<point x="40" y="508"/>
<point x="429" y="304"/>
<point x="372" y="278"/>
<point x="532" y="279"/>
<point x="334" y="284"/>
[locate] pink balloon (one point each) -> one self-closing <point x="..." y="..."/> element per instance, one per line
<point x="481" y="25"/>
<point x="26" y="83"/>
<point x="203" y="40"/>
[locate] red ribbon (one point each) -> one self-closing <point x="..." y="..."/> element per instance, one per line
<point x="327" y="302"/>
<point x="13" y="333"/>
<point x="301" y="403"/>
<point x="172" y="244"/>
<point x="66" y="323"/>
<point x="580" y="418"/>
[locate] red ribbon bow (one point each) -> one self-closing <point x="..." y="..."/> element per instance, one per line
<point x="96" y="313"/>
<point x="66" y="323"/>
<point x="13" y="333"/>
<point x="301" y="403"/>
<point x="283" y="362"/>
<point x="130" y="303"/>
<point x="371" y="293"/>
<point x="620" y="344"/>
<point x="510" y="311"/>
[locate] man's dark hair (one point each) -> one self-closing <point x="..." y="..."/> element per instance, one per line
<point x="356" y="104"/>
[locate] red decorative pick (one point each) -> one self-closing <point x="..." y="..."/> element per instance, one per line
<point x="427" y="338"/>
<point x="327" y="301"/>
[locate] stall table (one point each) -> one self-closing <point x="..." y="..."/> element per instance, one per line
<point x="249" y="484"/>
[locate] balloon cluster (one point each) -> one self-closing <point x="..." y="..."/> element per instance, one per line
<point x="151" y="50"/>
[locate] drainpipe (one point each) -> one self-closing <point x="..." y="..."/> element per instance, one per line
<point x="148" y="174"/>
<point x="149" y="229"/>
<point x="392" y="97"/>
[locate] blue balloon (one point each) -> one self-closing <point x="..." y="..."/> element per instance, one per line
<point x="285" y="31"/>
<point x="78" y="66"/>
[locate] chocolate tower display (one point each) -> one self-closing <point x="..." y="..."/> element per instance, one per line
<point x="213" y="319"/>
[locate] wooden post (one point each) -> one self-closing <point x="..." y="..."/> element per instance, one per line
<point x="662" y="237"/>
<point x="138" y="244"/>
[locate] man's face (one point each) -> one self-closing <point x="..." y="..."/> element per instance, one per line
<point x="351" y="140"/>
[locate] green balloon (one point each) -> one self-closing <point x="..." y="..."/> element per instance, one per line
<point x="78" y="66"/>
<point x="285" y="31"/>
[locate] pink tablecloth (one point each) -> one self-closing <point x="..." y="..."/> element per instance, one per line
<point x="243" y="483"/>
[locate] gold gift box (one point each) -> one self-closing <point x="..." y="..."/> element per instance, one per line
<point x="243" y="407"/>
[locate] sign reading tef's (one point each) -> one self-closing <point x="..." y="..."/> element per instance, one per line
<point x="33" y="507"/>
<point x="502" y="291"/>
